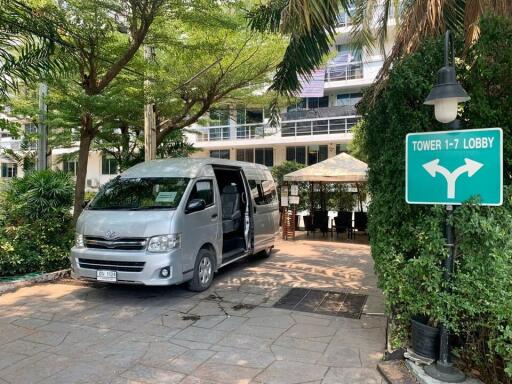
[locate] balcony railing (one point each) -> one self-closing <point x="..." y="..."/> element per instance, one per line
<point x="302" y="127"/>
<point x="320" y="126"/>
<point x="343" y="20"/>
<point x="8" y="143"/>
<point x="340" y="72"/>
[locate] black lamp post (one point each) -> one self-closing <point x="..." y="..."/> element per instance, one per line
<point x="445" y="97"/>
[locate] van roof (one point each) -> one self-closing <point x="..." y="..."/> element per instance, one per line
<point x="185" y="167"/>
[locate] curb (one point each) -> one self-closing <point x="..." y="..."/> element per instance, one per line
<point x="44" y="278"/>
<point x="395" y="372"/>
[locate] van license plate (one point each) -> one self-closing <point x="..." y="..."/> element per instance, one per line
<point x="106" y="276"/>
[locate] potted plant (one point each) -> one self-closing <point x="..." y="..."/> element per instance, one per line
<point x="424" y="337"/>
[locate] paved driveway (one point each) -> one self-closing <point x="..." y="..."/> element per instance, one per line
<point x="69" y="332"/>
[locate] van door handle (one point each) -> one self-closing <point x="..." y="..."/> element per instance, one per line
<point x="254" y="209"/>
<point x="214" y="216"/>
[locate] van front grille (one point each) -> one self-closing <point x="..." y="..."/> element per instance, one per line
<point x="127" y="244"/>
<point x="110" y="265"/>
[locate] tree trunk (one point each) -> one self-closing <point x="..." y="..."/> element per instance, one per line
<point x="86" y="136"/>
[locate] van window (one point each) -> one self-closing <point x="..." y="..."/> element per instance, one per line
<point x="140" y="193"/>
<point x="203" y="189"/>
<point x="263" y="191"/>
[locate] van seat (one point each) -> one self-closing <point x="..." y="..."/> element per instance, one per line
<point x="231" y="214"/>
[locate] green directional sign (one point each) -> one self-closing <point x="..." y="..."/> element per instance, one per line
<point x="453" y="166"/>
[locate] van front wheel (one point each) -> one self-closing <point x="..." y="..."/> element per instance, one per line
<point x="203" y="271"/>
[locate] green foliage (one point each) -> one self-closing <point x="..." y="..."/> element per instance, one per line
<point x="35" y="223"/>
<point x="408" y="241"/>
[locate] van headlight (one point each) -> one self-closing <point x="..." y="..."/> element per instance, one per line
<point x="164" y="243"/>
<point x="79" y="240"/>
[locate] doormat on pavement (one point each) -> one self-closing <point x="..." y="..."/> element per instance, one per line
<point x="341" y="304"/>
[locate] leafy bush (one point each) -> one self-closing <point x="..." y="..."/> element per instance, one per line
<point x="408" y="241"/>
<point x="35" y="223"/>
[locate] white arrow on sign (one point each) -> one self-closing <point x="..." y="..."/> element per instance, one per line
<point x="471" y="167"/>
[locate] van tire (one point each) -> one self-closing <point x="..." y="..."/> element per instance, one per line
<point x="204" y="270"/>
<point x="266" y="253"/>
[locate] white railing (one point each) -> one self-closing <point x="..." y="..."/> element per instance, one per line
<point x="234" y="132"/>
<point x="287" y="128"/>
<point x="340" y="72"/>
<point x="319" y="126"/>
<point x="8" y="143"/>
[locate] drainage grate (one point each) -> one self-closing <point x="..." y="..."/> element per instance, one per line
<point x="323" y="302"/>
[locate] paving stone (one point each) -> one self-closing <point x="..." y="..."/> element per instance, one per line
<point x="290" y="372"/>
<point x="152" y="375"/>
<point x="9" y="332"/>
<point x="308" y="345"/>
<point x="161" y="354"/>
<point x="197" y="380"/>
<point x="257" y="331"/>
<point x="209" y="321"/>
<point x="312" y="318"/>
<point x="231" y="323"/>
<point x="8" y="357"/>
<point x="341" y="357"/>
<point x="226" y="374"/>
<point x="46" y="337"/>
<point x="246" y="358"/>
<point x="352" y="376"/>
<point x="294" y="354"/>
<point x="30" y="323"/>
<point x="81" y="373"/>
<point x="188" y="361"/>
<point x="190" y="344"/>
<point x="34" y="369"/>
<point x="283" y="321"/>
<point x="246" y="342"/>
<point x="306" y="331"/>
<point x="23" y="347"/>
<point x="201" y="335"/>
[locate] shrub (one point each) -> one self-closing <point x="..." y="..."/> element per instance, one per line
<point x="408" y="241"/>
<point x="36" y="223"/>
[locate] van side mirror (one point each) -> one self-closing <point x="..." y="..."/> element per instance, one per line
<point x="84" y="203"/>
<point x="195" y="205"/>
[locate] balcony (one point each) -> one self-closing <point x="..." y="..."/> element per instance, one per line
<point x="323" y="112"/>
<point x="319" y="126"/>
<point x="10" y="143"/>
<point x="289" y="128"/>
<point x="343" y="20"/>
<point x="343" y="72"/>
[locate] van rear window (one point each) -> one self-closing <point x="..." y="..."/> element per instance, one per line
<point x="140" y="193"/>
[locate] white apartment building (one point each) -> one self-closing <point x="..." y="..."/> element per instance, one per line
<point x="310" y="131"/>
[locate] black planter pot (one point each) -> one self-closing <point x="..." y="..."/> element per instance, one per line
<point x="424" y="339"/>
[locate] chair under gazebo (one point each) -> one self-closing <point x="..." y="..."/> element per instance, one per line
<point x="340" y="169"/>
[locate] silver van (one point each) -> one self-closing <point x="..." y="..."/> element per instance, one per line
<point x="169" y="221"/>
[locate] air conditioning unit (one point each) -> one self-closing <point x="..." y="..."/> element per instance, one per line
<point x="93" y="183"/>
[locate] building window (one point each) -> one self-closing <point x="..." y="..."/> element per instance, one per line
<point x="219" y="117"/>
<point x="264" y="156"/>
<point x="220" y="154"/>
<point x="348" y="99"/>
<point x="297" y="154"/>
<point x="309" y="155"/>
<point x="246" y="116"/>
<point x="341" y="148"/>
<point x="318" y="102"/>
<point x="245" y="155"/>
<point x="348" y="54"/>
<point x="70" y="166"/>
<point x="9" y="169"/>
<point x="317" y="153"/>
<point x="109" y="165"/>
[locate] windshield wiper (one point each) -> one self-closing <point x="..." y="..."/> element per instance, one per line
<point x="153" y="207"/>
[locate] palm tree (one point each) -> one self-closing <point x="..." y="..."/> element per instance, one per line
<point x="311" y="27"/>
<point x="26" y="46"/>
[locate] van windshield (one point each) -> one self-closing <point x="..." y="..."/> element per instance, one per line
<point x="140" y="193"/>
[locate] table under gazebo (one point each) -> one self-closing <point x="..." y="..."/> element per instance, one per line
<point x="340" y="169"/>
